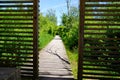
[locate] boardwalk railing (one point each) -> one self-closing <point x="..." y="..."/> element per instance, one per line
<point x="99" y="40"/>
<point x="19" y="35"/>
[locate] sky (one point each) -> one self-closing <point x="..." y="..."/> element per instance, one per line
<point x="59" y="6"/>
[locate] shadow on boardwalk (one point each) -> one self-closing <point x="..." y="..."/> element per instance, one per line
<point x="53" y="62"/>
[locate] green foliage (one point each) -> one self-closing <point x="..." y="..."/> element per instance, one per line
<point x="51" y="16"/>
<point x="69" y="31"/>
<point x="47" y="25"/>
<point x="64" y="19"/>
<point x="44" y="39"/>
<point x="73" y="57"/>
<point x="48" y="28"/>
<point x="72" y="38"/>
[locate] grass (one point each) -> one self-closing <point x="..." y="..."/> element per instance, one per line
<point x="44" y="39"/>
<point x="73" y="57"/>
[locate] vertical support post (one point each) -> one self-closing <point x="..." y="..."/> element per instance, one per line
<point x="81" y="38"/>
<point x="35" y="39"/>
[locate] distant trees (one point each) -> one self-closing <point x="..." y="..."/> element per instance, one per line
<point x="68" y="6"/>
<point x="48" y="23"/>
<point x="52" y="16"/>
<point x="70" y="31"/>
<point x="48" y="27"/>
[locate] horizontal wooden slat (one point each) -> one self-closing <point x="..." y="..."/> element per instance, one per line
<point x="17" y="15"/>
<point x="18" y="1"/>
<point x="27" y="76"/>
<point x="112" y="20"/>
<point x="102" y="51"/>
<point x="22" y="53"/>
<point x="13" y="26"/>
<point x="102" y="10"/>
<point x="27" y="10"/>
<point x="101" y="43"/>
<point x="102" y="77"/>
<point x="102" y="5"/>
<point x="102" y="56"/>
<point x="103" y="74"/>
<point x="22" y="40"/>
<point x="102" y="28"/>
<point x="4" y="56"/>
<point x="16" y="44"/>
<point x="22" y="50"/>
<point x="102" y="0"/>
<point x="16" y="36"/>
<point x="18" y="22"/>
<point x="10" y="48"/>
<point x="93" y="60"/>
<point x="107" y="24"/>
<point x="3" y="32"/>
<point x="102" y="14"/>
<point x="103" y="38"/>
<point x="102" y="47"/>
<point x="30" y="6"/>
<point x="26" y="68"/>
<point x="18" y="19"/>
<point x="27" y="72"/>
<point x="20" y="61"/>
<point x="100" y="69"/>
<point x="89" y="33"/>
<point x="99" y="65"/>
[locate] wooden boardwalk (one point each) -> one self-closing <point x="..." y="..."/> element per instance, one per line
<point x="53" y="62"/>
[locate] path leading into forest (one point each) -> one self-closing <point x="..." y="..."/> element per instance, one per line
<point x="53" y="62"/>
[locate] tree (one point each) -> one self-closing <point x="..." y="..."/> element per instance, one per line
<point x="74" y="12"/>
<point x="48" y="23"/>
<point x="64" y="19"/>
<point x="70" y="30"/>
<point x="51" y="16"/>
<point x="68" y="6"/>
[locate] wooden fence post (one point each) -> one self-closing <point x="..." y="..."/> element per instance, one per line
<point x="35" y="39"/>
<point x="81" y="38"/>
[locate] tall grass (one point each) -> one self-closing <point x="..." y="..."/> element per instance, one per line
<point x="73" y="57"/>
<point x="44" y="39"/>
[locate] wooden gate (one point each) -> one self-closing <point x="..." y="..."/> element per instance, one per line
<point x="19" y="35"/>
<point x="99" y="40"/>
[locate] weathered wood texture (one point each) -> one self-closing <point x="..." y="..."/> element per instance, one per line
<point x="99" y="43"/>
<point x="19" y="35"/>
<point x="53" y="62"/>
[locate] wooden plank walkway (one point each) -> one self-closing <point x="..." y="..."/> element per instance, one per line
<point x="53" y="62"/>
